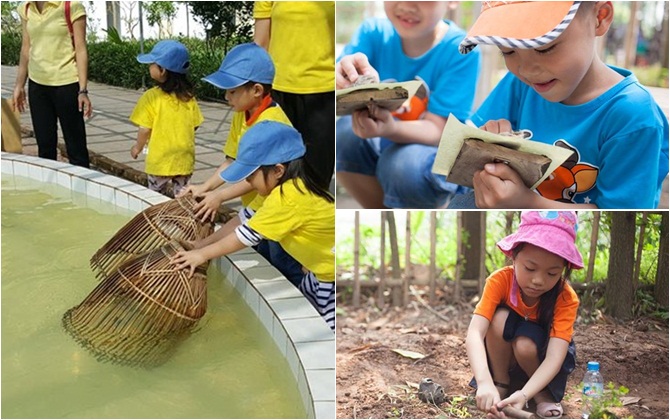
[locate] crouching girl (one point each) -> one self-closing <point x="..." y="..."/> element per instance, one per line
<point x="297" y="213"/>
<point x="519" y="341"/>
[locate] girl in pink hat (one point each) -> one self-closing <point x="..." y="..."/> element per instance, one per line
<point x="519" y="341"/>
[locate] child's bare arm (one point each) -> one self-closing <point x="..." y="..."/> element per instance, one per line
<point x="378" y="122"/>
<point x="143" y="135"/>
<point x="549" y="368"/>
<point x="350" y="67"/>
<point x="487" y="394"/>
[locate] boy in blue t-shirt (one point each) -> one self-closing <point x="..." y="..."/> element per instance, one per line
<point x="385" y="159"/>
<point x="561" y="91"/>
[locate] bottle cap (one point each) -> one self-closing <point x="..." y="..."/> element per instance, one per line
<point x="593" y="366"/>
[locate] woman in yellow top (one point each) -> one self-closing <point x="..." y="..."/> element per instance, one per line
<point x="54" y="60"/>
<point x="297" y="212"/>
<point x="300" y="37"/>
<point x="168" y="116"/>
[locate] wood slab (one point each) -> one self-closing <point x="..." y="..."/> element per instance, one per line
<point x="390" y="99"/>
<point x="475" y="154"/>
<point x="11" y="128"/>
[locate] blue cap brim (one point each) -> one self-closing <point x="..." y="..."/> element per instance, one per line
<point x="146" y="58"/>
<point x="224" y="80"/>
<point x="237" y="171"/>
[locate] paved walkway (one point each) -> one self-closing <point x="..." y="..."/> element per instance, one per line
<point x="111" y="134"/>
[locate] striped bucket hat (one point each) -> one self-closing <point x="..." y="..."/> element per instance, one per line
<point x="519" y="24"/>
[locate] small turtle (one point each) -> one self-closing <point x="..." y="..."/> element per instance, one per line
<point x="430" y="392"/>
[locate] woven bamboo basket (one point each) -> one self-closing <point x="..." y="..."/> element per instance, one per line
<point x="137" y="315"/>
<point x="150" y="229"/>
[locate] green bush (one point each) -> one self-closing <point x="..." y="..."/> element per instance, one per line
<point x="116" y="64"/>
<point x="11" y="49"/>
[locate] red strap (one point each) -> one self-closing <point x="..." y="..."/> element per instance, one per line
<point x="68" y="20"/>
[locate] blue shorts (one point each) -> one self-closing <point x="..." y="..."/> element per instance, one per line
<point x="517" y="326"/>
<point x="403" y="170"/>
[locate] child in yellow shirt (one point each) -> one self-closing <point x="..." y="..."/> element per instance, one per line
<point x="297" y="213"/>
<point x="246" y="74"/>
<point x="167" y="116"/>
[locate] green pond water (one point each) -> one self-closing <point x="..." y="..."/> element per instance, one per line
<point x="228" y="368"/>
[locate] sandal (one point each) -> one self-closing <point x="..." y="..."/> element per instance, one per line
<point x="548" y="407"/>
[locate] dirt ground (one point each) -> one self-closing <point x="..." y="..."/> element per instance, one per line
<point x="373" y="381"/>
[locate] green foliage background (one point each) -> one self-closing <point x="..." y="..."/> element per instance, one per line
<point x="495" y="224"/>
<point x="113" y="61"/>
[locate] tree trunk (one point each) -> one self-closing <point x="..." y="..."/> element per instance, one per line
<point x="113" y="15"/>
<point x="408" y="260"/>
<point x="433" y="246"/>
<point x="509" y="219"/>
<point x="393" y="240"/>
<point x="382" y="266"/>
<point x="630" y="40"/>
<point x="640" y="246"/>
<point x="472" y="238"/>
<point x="595" y="227"/>
<point x="661" y="289"/>
<point x="356" y="298"/>
<point x="619" y="292"/>
<point x="663" y="50"/>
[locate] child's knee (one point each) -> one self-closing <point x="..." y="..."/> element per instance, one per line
<point x="498" y="323"/>
<point x="524" y="348"/>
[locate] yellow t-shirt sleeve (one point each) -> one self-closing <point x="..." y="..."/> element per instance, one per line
<point x="262" y="9"/>
<point x="234" y="134"/>
<point x="198" y="119"/>
<point x="276" y="218"/>
<point x="77" y="10"/>
<point x="144" y="113"/>
<point x="21" y="9"/>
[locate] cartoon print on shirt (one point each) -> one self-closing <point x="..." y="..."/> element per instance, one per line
<point x="571" y="178"/>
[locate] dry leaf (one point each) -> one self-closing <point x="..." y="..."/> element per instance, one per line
<point x="409" y="354"/>
<point x="630" y="400"/>
<point x="412" y="384"/>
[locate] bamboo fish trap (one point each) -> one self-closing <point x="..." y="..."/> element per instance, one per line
<point x="150" y="229"/>
<point x="138" y="315"/>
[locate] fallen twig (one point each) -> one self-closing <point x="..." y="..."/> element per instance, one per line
<point x="425" y="305"/>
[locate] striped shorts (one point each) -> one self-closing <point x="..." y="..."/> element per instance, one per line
<point x="321" y="295"/>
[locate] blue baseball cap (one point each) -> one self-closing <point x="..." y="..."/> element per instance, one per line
<point x="264" y="143"/>
<point x="169" y="54"/>
<point x="244" y="63"/>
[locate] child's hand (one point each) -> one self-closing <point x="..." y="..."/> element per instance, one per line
<point x="497" y="127"/>
<point x="373" y="122"/>
<point x="500" y="187"/>
<point x="350" y="67"/>
<point x="85" y="105"/>
<point x="206" y="209"/>
<point x="516" y="400"/>
<point x="188" y="259"/>
<point x="196" y="189"/>
<point x="487" y="396"/>
<point x="135" y="151"/>
<point x="19" y="99"/>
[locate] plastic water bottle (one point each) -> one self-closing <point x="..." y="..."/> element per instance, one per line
<point x="593" y="388"/>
